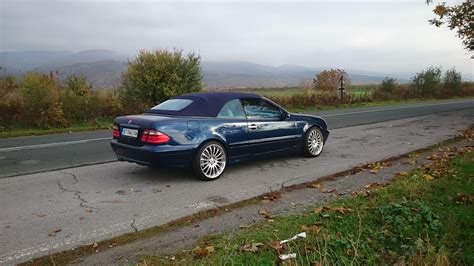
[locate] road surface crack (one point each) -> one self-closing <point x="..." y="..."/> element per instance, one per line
<point x="77" y="193"/>
<point x="72" y="175"/>
<point x="133" y="226"/>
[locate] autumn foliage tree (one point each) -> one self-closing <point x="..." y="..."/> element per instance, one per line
<point x="329" y="80"/>
<point x="42" y="106"/>
<point x="153" y="77"/>
<point x="457" y="17"/>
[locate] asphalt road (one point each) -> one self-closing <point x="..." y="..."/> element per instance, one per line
<point x="57" y="210"/>
<point x="35" y="154"/>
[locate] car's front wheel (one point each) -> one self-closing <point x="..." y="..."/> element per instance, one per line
<point x="210" y="161"/>
<point x="313" y="142"/>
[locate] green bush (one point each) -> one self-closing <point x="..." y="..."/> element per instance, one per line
<point x="427" y="83"/>
<point x="80" y="103"/>
<point x="155" y="76"/>
<point x="452" y="82"/>
<point x="387" y="89"/>
<point x="41" y="101"/>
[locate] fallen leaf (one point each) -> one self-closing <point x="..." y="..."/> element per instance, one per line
<point x="271" y="197"/>
<point x="209" y="249"/>
<point x="172" y="258"/>
<point x="349" y="252"/>
<point x="403" y="173"/>
<point x="242" y="226"/>
<point x="321" y="209"/>
<point x="372" y="185"/>
<point x="199" y="252"/>
<point x="156" y="190"/>
<point x="315" y="229"/>
<point x="264" y="212"/>
<point x="464" y="198"/>
<point x="343" y="210"/>
<point x="316" y="185"/>
<point x="53" y="233"/>
<point x="330" y="190"/>
<point x="374" y="171"/>
<point x="250" y="247"/>
<point x="304" y="228"/>
<point x="116" y="201"/>
<point x="428" y="177"/>
<point x="95" y="245"/>
<point x="276" y="245"/>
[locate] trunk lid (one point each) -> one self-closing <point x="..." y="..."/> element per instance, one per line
<point x="131" y="127"/>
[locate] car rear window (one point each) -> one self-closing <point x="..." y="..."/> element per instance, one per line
<point x="173" y="105"/>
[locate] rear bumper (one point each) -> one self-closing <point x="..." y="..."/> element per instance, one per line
<point x="154" y="155"/>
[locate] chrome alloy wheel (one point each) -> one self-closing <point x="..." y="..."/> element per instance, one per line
<point x="315" y="142"/>
<point x="213" y="161"/>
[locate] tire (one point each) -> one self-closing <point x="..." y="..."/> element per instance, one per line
<point x="313" y="142"/>
<point x="210" y="161"/>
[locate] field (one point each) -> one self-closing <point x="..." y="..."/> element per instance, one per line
<point x="289" y="91"/>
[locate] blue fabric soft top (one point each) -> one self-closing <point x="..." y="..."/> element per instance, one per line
<point x="207" y="104"/>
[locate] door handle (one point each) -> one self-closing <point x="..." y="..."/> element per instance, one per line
<point x="252" y="126"/>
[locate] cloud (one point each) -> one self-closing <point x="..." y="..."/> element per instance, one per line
<point x="372" y="35"/>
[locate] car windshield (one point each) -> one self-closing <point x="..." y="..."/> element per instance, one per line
<point x="173" y="105"/>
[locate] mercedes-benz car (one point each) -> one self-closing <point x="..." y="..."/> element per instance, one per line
<point x="209" y="131"/>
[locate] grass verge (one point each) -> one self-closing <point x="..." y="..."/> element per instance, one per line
<point x="16" y="131"/>
<point x="424" y="217"/>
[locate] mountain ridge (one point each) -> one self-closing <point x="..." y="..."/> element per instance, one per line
<point x="103" y="68"/>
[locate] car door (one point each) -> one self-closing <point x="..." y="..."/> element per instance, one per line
<point x="233" y="124"/>
<point x="268" y="129"/>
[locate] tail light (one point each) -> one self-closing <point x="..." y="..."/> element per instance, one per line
<point x="152" y="136"/>
<point x="115" y="132"/>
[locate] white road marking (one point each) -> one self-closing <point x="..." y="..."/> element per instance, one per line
<point x="47" y="145"/>
<point x="392" y="109"/>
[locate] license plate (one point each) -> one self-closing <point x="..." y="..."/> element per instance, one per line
<point x="133" y="133"/>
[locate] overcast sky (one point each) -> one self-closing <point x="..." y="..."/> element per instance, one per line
<point x="383" y="36"/>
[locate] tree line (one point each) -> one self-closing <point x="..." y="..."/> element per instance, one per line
<point x="43" y="101"/>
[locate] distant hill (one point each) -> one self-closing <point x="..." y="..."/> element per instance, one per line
<point x="246" y="74"/>
<point x="103" y="68"/>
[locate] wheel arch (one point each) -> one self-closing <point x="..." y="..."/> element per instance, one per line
<point x="220" y="141"/>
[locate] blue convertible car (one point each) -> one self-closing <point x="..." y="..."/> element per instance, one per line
<point x="208" y="131"/>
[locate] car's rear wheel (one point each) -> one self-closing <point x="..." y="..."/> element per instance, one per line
<point x="313" y="142"/>
<point x="210" y="161"/>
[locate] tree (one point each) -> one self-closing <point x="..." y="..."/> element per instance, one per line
<point x="155" y="76"/>
<point x="41" y="101"/>
<point x="427" y="82"/>
<point x="78" y="85"/>
<point x="8" y="85"/>
<point x="328" y="80"/>
<point x="452" y="81"/>
<point x="388" y="85"/>
<point x="457" y="17"/>
<point x="79" y="101"/>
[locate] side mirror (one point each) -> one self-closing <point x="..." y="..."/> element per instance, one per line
<point x="284" y="115"/>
